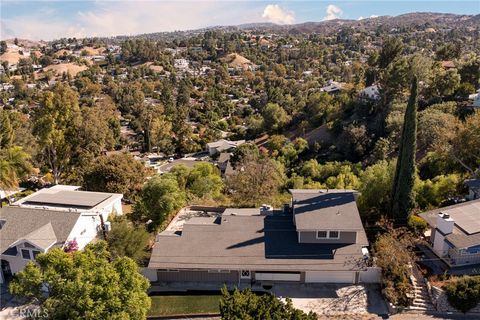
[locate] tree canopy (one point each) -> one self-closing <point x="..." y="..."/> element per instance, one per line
<point x="246" y="305"/>
<point x="84" y="285"/>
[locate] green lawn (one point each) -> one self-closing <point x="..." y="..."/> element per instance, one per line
<point x="183" y="304"/>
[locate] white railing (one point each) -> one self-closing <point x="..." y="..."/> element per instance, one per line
<point x="458" y="258"/>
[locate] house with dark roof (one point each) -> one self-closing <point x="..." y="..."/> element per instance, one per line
<point x="333" y="87"/>
<point x="318" y="237"/>
<point x="222" y="145"/>
<point x="52" y="218"/>
<point x="455" y="233"/>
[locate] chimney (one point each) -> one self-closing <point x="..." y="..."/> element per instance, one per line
<point x="445" y="223"/>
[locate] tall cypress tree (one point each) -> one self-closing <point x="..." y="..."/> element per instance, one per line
<point x="403" y="198"/>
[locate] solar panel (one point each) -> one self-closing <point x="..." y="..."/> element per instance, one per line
<point x="70" y="198"/>
<point x="466" y="217"/>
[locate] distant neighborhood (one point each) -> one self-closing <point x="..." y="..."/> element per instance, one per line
<point x="297" y="171"/>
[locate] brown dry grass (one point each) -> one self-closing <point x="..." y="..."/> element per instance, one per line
<point x="71" y="68"/>
<point x="91" y="51"/>
<point x="11" y="57"/>
<point x="234" y="60"/>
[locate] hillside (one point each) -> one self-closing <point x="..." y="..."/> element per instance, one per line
<point x="418" y="21"/>
<point x="234" y="60"/>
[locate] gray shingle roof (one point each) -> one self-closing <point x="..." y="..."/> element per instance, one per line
<point x="268" y="243"/>
<point x="460" y="238"/>
<point x="326" y="210"/>
<point x="37" y="225"/>
<point x="43" y="237"/>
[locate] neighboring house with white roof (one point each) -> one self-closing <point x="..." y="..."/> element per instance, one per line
<point x="370" y="93"/>
<point x="52" y="218"/>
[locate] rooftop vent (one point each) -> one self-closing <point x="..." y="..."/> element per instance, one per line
<point x="446" y="216"/>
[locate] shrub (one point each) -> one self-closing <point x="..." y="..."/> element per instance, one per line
<point x="245" y="304"/>
<point x="392" y="255"/>
<point x="417" y="225"/>
<point x="464" y="293"/>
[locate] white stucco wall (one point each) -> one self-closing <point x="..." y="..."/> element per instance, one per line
<point x="85" y="230"/>
<point x="439" y="244"/>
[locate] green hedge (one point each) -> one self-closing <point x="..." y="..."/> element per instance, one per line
<point x="464" y="293"/>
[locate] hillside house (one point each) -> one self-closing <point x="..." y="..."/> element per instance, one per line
<point x="318" y="238"/>
<point x="455" y="233"/>
<point x="332" y="87"/>
<point x="370" y="93"/>
<point x="52" y="218"/>
<point x="222" y="145"/>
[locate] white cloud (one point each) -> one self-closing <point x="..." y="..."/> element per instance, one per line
<point x="373" y="16"/>
<point x="109" y="18"/>
<point x="333" y="12"/>
<point x="276" y="14"/>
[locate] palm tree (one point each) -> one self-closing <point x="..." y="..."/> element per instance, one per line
<point x="8" y="178"/>
<point x="15" y="165"/>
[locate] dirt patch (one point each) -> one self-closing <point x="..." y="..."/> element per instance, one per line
<point x="63" y="52"/>
<point x="93" y="51"/>
<point x="234" y="60"/>
<point x="59" y="69"/>
<point x="153" y="67"/>
<point x="11" y="57"/>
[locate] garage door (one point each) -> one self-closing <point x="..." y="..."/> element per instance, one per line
<point x="330" y="276"/>
<point x="266" y="276"/>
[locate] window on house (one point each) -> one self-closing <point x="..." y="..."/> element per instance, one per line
<point x="35" y="254"/>
<point x="321" y="234"/>
<point x="328" y="234"/>
<point x="28" y="245"/>
<point x="334" y="234"/>
<point x="12" y="251"/>
<point x="26" y="254"/>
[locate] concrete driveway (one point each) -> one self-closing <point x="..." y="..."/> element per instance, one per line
<point x="334" y="299"/>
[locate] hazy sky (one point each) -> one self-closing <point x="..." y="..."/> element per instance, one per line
<point x="68" y="18"/>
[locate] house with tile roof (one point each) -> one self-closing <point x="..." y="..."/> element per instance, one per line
<point x="52" y="218"/>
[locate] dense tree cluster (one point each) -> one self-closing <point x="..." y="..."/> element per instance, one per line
<point x="80" y="285"/>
